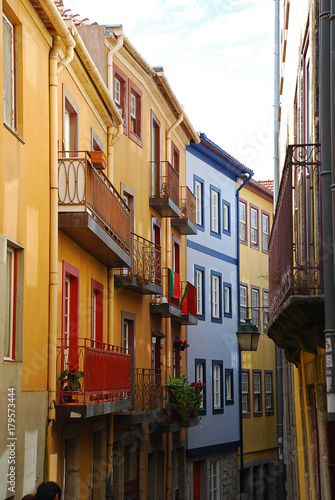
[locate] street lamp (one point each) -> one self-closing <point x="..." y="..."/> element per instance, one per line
<point x="248" y="336"/>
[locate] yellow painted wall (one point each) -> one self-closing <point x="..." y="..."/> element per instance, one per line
<point x="24" y="181"/>
<point x="259" y="433"/>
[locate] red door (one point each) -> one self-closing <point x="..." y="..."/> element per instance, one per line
<point x="196" y="480"/>
<point x="131" y="471"/>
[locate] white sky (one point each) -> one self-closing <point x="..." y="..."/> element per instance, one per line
<point x="218" y="58"/>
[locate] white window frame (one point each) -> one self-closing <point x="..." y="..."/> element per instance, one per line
<point x="245" y="391"/>
<point x="257" y="392"/>
<point x="253" y="226"/>
<point x="10" y="288"/>
<point x="226" y="217"/>
<point x="198" y="201"/>
<point x="265" y="231"/>
<point x="199" y="286"/>
<point x="215" y="296"/>
<point x="214" y="211"/>
<point x="214" y="480"/>
<point x="217" y="396"/>
<point x="117" y="91"/>
<point x="255" y="305"/>
<point x="227" y="299"/>
<point x="9" y="73"/>
<point x="243" y="303"/>
<point x="268" y="391"/>
<point x="229" y="386"/>
<point x="266" y="303"/>
<point x="243" y="221"/>
<point x="200" y="377"/>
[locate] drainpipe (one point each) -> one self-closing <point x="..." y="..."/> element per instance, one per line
<point x="276" y="102"/>
<point x="168" y="135"/>
<point x="327" y="103"/>
<point x="238" y="322"/>
<point x="55" y="68"/>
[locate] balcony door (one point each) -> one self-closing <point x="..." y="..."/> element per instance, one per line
<point x="70" y="315"/>
<point x="131" y="487"/>
<point x="155" y="156"/>
<point x="128" y="322"/>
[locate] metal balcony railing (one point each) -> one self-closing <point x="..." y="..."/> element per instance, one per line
<point x="145" y="261"/>
<point x="83" y="188"/>
<point x="295" y="266"/>
<point x="146" y="389"/>
<point x="105" y="371"/>
<point x="164" y="181"/>
<point x="187" y="204"/>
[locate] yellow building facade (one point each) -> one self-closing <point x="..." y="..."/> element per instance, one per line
<point x="258" y="377"/>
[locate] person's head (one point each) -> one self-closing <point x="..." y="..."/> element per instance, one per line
<point x="48" y="491"/>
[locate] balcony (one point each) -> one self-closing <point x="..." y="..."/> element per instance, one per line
<point x="101" y="379"/>
<point x="296" y="316"/>
<point x="169" y="306"/>
<point x="91" y="212"/>
<point x="144" y="274"/>
<point x="186" y="223"/>
<point x="164" y="189"/>
<point x="188" y="304"/>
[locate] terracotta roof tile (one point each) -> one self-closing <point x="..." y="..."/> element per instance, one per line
<point x="267" y="184"/>
<point x="68" y="15"/>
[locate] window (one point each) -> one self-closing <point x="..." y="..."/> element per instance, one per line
<point x="97" y="311"/>
<point x="268" y="390"/>
<point x="9" y="71"/>
<point x="175" y="157"/>
<point x="245" y="382"/>
<point x="200" y="376"/>
<point x="198" y="193"/>
<point x="227" y="300"/>
<point x="229" y="387"/>
<point x="120" y="95"/>
<point x="10" y="304"/>
<point x="70" y="320"/>
<point x="135" y="113"/>
<point x="265" y="231"/>
<point x="215" y="212"/>
<point x="254" y="227"/>
<point x="255" y="306"/>
<point x="214" y="480"/>
<point x="226" y="217"/>
<point x="217" y="387"/>
<point x="216" y="297"/>
<point x="257" y="392"/>
<point x="243" y="302"/>
<point x="265" y="309"/>
<point x="243" y="221"/>
<point x="70" y="124"/>
<point x="200" y="286"/>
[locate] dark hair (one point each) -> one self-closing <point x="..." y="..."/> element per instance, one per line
<point x="48" y="491"/>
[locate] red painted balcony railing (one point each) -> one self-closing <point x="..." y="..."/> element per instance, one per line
<point x="187" y="204"/>
<point x="295" y="266"/>
<point x="146" y="389"/>
<point x="145" y="260"/>
<point x="188" y="299"/>
<point x="83" y="188"/>
<point x="164" y="181"/>
<point x="105" y="370"/>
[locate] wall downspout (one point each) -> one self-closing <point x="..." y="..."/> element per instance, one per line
<point x="238" y="322"/>
<point x="55" y="68"/>
<point x="327" y="112"/>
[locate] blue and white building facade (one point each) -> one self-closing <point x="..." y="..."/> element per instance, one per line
<point x="213" y="355"/>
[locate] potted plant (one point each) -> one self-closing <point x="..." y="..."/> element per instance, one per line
<point x="185" y="398"/>
<point x="69" y="380"/>
<point x="180" y="344"/>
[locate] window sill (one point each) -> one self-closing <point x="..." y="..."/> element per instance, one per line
<point x="15" y="134"/>
<point x="135" y="138"/>
<point x="217" y="411"/>
<point x="229" y="402"/>
<point x="216" y="320"/>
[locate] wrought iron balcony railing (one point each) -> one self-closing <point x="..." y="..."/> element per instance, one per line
<point x="295" y="266"/>
<point x="92" y="372"/>
<point x="186" y="223"/>
<point x="144" y="274"/>
<point x="84" y="189"/>
<point x="146" y="390"/>
<point x="164" y="188"/>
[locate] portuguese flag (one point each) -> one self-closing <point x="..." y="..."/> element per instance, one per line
<point x="183" y="302"/>
<point x="174" y="284"/>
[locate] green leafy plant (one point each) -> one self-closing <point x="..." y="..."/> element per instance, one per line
<point x="69" y="378"/>
<point x="185" y="398"/>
